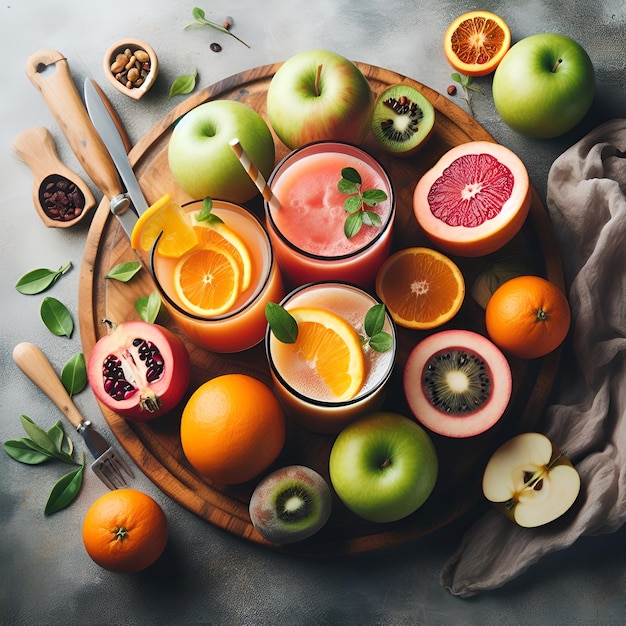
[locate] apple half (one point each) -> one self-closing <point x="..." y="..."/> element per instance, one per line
<point x="530" y="481"/>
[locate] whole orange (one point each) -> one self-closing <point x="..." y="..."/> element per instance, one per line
<point x="232" y="428"/>
<point x="528" y="317"/>
<point x="125" y="531"/>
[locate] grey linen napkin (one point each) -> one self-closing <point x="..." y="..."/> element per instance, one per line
<point x="586" y="199"/>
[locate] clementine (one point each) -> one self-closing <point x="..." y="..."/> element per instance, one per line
<point x="125" y="531"/>
<point x="528" y="317"/>
<point x="232" y="428"/>
<point x="476" y="42"/>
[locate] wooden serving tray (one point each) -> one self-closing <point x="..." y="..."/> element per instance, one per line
<point x="155" y="446"/>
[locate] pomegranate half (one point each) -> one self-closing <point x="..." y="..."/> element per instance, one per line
<point x="457" y="383"/>
<point x="474" y="200"/>
<point x="139" y="370"/>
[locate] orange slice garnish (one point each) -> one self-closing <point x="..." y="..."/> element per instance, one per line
<point x="218" y="234"/>
<point x="332" y="348"/>
<point x="167" y="217"/>
<point x="420" y="287"/>
<point x="476" y="42"/>
<point x="207" y="280"/>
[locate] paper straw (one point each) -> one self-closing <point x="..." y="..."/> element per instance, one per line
<point x="255" y="174"/>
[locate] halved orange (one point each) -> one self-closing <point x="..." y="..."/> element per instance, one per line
<point x="164" y="216"/>
<point x="220" y="235"/>
<point x="207" y="281"/>
<point x="421" y="287"/>
<point x="476" y="42"/>
<point x="333" y="348"/>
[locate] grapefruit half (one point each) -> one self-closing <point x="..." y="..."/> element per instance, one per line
<point x="474" y="200"/>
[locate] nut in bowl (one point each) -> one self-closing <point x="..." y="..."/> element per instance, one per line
<point x="131" y="66"/>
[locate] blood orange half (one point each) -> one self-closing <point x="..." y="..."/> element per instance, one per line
<point x="474" y="200"/>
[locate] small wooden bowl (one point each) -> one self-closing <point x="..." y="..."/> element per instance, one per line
<point x="111" y="57"/>
<point x="37" y="149"/>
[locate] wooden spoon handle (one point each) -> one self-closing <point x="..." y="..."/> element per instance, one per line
<point x="60" y="94"/>
<point x="35" y="146"/>
<point x="34" y="363"/>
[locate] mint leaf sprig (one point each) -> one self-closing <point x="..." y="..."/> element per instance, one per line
<point x="467" y="87"/>
<point x="206" y="213"/>
<point x="200" y="20"/>
<point x="285" y="327"/>
<point x="357" y="202"/>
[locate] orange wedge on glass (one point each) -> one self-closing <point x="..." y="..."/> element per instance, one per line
<point x="333" y="349"/>
<point x="476" y="42"/>
<point x="167" y="217"/>
<point x="215" y="233"/>
<point x="207" y="280"/>
<point x="420" y="287"/>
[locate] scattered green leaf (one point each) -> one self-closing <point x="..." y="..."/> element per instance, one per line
<point x="56" y="317"/>
<point x="149" y="307"/>
<point x="124" y="271"/>
<point x="65" y="490"/>
<point x="74" y="374"/>
<point x="23" y="451"/>
<point x="282" y="324"/>
<point x="40" y="279"/>
<point x="57" y="434"/>
<point x="357" y="200"/>
<point x="200" y="20"/>
<point x="206" y="213"/>
<point x="46" y="442"/>
<point x="183" y="84"/>
<point x="378" y="339"/>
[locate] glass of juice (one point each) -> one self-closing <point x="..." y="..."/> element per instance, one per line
<point x="296" y="383"/>
<point x="243" y="325"/>
<point x="307" y="231"/>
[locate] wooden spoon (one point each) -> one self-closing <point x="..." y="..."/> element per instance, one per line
<point x="37" y="149"/>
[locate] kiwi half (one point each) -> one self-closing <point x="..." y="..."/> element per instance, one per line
<point x="290" y="504"/>
<point x="403" y="120"/>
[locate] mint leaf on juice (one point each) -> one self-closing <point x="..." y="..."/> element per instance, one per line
<point x="282" y="324"/>
<point x="354" y="205"/>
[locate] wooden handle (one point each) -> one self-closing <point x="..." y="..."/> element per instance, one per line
<point x="36" y="147"/>
<point x="60" y="94"/>
<point x="34" y="363"/>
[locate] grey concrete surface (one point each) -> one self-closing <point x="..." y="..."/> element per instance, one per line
<point x="207" y="576"/>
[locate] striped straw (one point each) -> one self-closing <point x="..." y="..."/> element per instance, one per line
<point x="255" y="174"/>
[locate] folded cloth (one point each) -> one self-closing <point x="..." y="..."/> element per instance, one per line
<point x="586" y="419"/>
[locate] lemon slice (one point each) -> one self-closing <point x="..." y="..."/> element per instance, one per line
<point x="220" y="235"/>
<point x="333" y="348"/>
<point x="207" y="281"/>
<point x="167" y="217"/>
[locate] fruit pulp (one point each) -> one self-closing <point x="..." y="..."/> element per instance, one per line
<point x="305" y="397"/>
<point x="244" y="325"/>
<point x="307" y="232"/>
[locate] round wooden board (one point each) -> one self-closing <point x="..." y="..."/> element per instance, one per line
<point x="155" y="446"/>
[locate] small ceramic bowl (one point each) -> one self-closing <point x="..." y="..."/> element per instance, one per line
<point x="131" y="66"/>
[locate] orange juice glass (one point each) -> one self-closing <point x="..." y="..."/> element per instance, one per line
<point x="296" y="383"/>
<point x="307" y="231"/>
<point x="244" y="325"/>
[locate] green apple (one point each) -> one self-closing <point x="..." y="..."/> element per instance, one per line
<point x="530" y="481"/>
<point x="383" y="466"/>
<point x="201" y="159"/>
<point x="544" y="85"/>
<point x="319" y="95"/>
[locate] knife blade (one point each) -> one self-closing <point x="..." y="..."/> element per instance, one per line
<point x="107" y="129"/>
